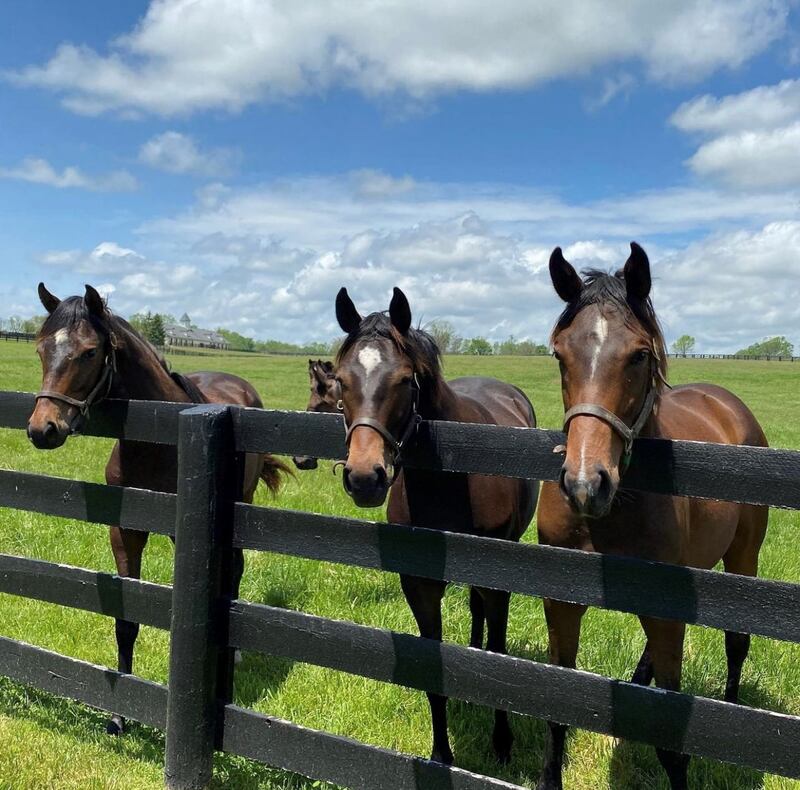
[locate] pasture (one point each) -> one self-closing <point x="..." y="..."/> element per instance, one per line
<point x="52" y="743"/>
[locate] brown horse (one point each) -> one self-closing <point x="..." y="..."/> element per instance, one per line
<point x="323" y="399"/>
<point x="611" y="353"/>
<point x="390" y="377"/>
<point x="88" y="354"/>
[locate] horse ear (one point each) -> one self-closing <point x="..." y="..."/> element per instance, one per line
<point x="400" y="311"/>
<point x="94" y="302"/>
<point x="47" y="299"/>
<point x="328" y="368"/>
<point x="566" y="280"/>
<point x="637" y="273"/>
<point x="346" y="313"/>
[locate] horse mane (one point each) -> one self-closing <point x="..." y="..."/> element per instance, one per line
<point x="608" y="290"/>
<point x="73" y="309"/>
<point x="416" y="344"/>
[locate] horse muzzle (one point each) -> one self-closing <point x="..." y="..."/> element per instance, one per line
<point x="366" y="488"/>
<point x="48" y="435"/>
<point x="589" y="494"/>
<point x="304" y="462"/>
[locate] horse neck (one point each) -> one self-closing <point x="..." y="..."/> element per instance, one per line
<point x="438" y="401"/>
<point x="140" y="374"/>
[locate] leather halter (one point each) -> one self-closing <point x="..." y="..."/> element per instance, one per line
<point x="396" y="445"/>
<point x="100" y="390"/>
<point x="627" y="434"/>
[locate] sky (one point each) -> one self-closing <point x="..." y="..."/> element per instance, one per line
<point x="241" y="161"/>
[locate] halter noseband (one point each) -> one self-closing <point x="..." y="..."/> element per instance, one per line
<point x="627" y="434"/>
<point x="396" y="445"/>
<point x="100" y="390"/>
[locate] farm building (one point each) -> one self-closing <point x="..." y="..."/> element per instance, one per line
<point x="179" y="335"/>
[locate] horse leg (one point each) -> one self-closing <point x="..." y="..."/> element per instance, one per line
<point x="742" y="558"/>
<point x="478" y="618"/>
<point x="665" y="638"/>
<point x="564" y="630"/>
<point x="424" y="596"/>
<point x="643" y="675"/>
<point x="496" y="607"/>
<point x="127" y="546"/>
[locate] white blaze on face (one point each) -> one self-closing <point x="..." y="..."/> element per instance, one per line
<point x="369" y="357"/>
<point x="600" y="331"/>
<point x="61" y="337"/>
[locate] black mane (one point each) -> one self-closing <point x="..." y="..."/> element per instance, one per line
<point x="417" y="344"/>
<point x="608" y="290"/>
<point x="73" y="309"/>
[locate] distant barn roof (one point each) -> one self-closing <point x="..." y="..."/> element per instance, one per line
<point x="179" y="332"/>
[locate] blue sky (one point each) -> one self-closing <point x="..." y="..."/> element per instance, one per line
<point x="241" y="160"/>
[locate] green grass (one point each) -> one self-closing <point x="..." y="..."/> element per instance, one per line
<point x="47" y="742"/>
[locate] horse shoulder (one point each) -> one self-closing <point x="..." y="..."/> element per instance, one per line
<point x="709" y="413"/>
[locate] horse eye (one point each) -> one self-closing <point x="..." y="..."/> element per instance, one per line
<point x="89" y="354"/>
<point x="639" y="356"/>
<point x="556" y="356"/>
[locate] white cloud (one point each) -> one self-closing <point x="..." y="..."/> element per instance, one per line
<point x="765" y="107"/>
<point x="178" y="153"/>
<point x="377" y="184"/>
<point x="40" y="171"/>
<point x="755" y="136"/>
<point x="108" y="257"/>
<point x="752" y="160"/>
<point x="190" y="55"/>
<point x="621" y="85"/>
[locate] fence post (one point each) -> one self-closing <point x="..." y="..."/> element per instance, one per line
<point x="206" y="491"/>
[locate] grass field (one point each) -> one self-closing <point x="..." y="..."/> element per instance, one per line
<point x="49" y="743"/>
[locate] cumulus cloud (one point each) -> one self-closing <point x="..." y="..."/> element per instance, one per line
<point x="178" y="153"/>
<point x="40" y="171"/>
<point x="755" y="136"/>
<point x="255" y="51"/>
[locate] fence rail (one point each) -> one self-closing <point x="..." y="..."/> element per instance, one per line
<point x="199" y="715"/>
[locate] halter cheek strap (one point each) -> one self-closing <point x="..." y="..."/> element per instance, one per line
<point x="100" y="390"/>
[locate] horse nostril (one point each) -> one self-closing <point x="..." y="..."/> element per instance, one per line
<point x="50" y="430"/>
<point x="604" y="484"/>
<point x="380" y="474"/>
<point x="346" y="480"/>
<point x="562" y="480"/>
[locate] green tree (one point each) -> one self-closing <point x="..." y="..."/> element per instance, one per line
<point x="32" y="325"/>
<point x="236" y="341"/>
<point x="156" y="336"/>
<point x="683" y="345"/>
<point x="770" y="347"/>
<point x="478" y="345"/>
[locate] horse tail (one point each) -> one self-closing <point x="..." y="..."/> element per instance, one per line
<point x="272" y="471"/>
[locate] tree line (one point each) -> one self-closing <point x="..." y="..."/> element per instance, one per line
<point x="777" y="346"/>
<point x="152" y="326"/>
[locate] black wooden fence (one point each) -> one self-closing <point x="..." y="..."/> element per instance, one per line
<point x="205" y="625"/>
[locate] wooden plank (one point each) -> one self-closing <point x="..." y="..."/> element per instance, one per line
<point x="142" y="421"/>
<point x="94" y="685"/>
<point x="343" y="761"/>
<point x="92" y="591"/>
<point x="132" y="508"/>
<point x="202" y="535"/>
<point x="711" y="598"/>
<point x="756" y="475"/>
<point x="760" y="739"/>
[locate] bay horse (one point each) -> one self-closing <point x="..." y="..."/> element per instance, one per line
<point x="612" y="358"/>
<point x="88" y="354"/>
<point x="323" y="399"/>
<point x="390" y="377"/>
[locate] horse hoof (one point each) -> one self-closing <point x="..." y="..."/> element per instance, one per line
<point x="115" y="726"/>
